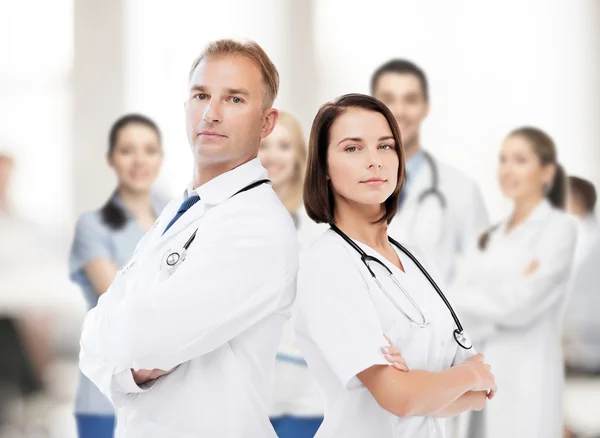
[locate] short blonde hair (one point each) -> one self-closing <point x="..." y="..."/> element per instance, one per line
<point x="250" y="50"/>
<point x="293" y="199"/>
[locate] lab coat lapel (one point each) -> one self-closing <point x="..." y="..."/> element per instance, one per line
<point x="194" y="213"/>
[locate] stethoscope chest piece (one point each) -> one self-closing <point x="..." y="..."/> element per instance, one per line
<point x="173" y="258"/>
<point x="463" y="339"/>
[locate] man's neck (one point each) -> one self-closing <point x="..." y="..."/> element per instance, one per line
<point x="411" y="148"/>
<point x="207" y="171"/>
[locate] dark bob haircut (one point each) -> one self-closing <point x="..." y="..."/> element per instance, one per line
<point x="318" y="193"/>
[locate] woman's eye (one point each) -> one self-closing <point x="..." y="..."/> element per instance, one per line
<point x="200" y="96"/>
<point x="386" y="146"/>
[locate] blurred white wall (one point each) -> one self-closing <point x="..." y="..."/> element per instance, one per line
<point x="35" y="91"/>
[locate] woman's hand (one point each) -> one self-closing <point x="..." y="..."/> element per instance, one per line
<point x="393" y="355"/>
<point x="484" y="379"/>
<point x="532" y="267"/>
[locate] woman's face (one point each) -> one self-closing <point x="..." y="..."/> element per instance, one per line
<point x="521" y="173"/>
<point x="362" y="158"/>
<point x="137" y="157"/>
<point x="278" y="155"/>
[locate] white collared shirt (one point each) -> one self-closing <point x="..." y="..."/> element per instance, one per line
<point x="218" y="317"/>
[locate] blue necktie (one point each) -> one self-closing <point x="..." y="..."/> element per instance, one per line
<point x="185" y="206"/>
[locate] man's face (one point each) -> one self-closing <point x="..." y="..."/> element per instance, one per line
<point x="225" y="114"/>
<point x="403" y="94"/>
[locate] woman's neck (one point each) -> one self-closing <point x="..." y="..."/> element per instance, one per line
<point x="523" y="208"/>
<point x="358" y="223"/>
<point x="139" y="204"/>
<point x="282" y="191"/>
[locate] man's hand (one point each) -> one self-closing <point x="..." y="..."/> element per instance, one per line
<point x="142" y="376"/>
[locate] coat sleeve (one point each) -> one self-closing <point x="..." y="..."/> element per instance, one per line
<point x="233" y="278"/>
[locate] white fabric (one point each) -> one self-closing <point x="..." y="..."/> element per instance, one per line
<point x="218" y="317"/>
<point x="441" y="233"/>
<point x="581" y="326"/>
<point x="295" y="391"/>
<point x="518" y="318"/>
<point x="342" y="319"/>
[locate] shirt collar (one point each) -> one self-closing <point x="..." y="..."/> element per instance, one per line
<point x="539" y="213"/>
<point x="224" y="186"/>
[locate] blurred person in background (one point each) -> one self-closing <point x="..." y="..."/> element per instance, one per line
<point x="512" y="289"/>
<point x="296" y="410"/>
<point x="106" y="238"/>
<point x="581" y="325"/>
<point x="25" y="351"/>
<point x="440" y="210"/>
<point x="581" y="204"/>
<point x="6" y="170"/>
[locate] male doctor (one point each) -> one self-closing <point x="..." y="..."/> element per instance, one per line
<point x="184" y="341"/>
<point x="441" y="210"/>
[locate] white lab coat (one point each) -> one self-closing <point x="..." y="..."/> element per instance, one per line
<point x="441" y="233"/>
<point x="295" y="391"/>
<point x="518" y="318"/>
<point x="341" y="322"/>
<point x="218" y="317"/>
<point x="581" y="326"/>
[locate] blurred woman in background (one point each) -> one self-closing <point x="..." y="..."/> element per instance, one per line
<point x="105" y="239"/>
<point x="581" y="326"/>
<point x="512" y="289"/>
<point x="297" y="409"/>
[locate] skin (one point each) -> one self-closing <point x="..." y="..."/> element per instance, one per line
<point x="278" y="156"/>
<point x="225" y="115"/>
<point x="403" y="95"/>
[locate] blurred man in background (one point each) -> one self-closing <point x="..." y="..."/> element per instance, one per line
<point x="440" y="210"/>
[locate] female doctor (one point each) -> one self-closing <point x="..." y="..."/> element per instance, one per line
<point x="296" y="410"/>
<point x="512" y="290"/>
<point x="105" y="239"/>
<point x="354" y="175"/>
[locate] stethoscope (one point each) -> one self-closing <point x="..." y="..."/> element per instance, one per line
<point x="433" y="191"/>
<point x="434" y="188"/>
<point x="174" y="258"/>
<point x="460" y="336"/>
